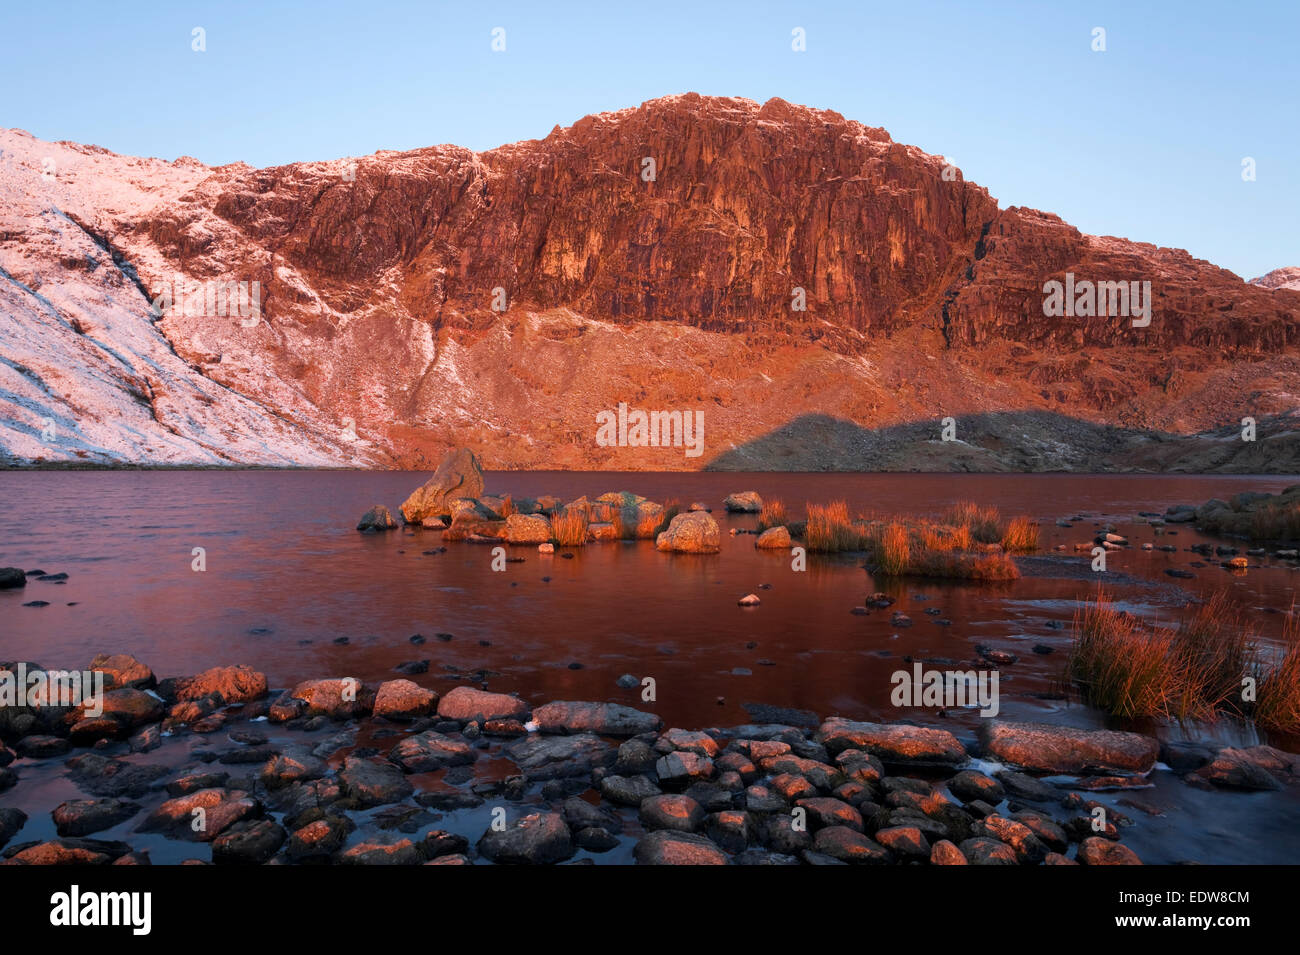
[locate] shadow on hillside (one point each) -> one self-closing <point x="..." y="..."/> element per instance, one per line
<point x="1012" y="441"/>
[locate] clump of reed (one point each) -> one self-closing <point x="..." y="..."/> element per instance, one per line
<point x="1277" y="705"/>
<point x="507" y="506"/>
<point x="830" y="531"/>
<point x="569" y="527"/>
<point x="983" y="522"/>
<point x="772" y="515"/>
<point x="895" y="550"/>
<point x="1020" y="536"/>
<point x="1196" y="670"/>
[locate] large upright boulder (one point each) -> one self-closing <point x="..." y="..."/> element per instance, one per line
<point x="694" y="532"/>
<point x="459" y="475"/>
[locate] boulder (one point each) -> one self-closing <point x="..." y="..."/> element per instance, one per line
<point x="743" y="502"/>
<point x="604" y="719"/>
<point x="234" y="684"/>
<point x="695" y="532"/>
<point x="527" y="529"/>
<point x="678" y="812"/>
<point x="404" y="700"/>
<point x="11" y="578"/>
<point x="460" y="474"/>
<point x="340" y="699"/>
<point x="1063" y="749"/>
<point x="378" y="518"/>
<point x="81" y="817"/>
<point x="127" y="706"/>
<point x="123" y="670"/>
<point x="465" y="703"/>
<point x="539" y="838"/>
<point x="774" y="538"/>
<point x="1248" y="769"/>
<point x="555" y="757"/>
<point x="849" y="845"/>
<point x="373" y="783"/>
<point x="667" y="847"/>
<point x="1098" y="851"/>
<point x="893" y="743"/>
<point x="427" y="751"/>
<point x="402" y="852"/>
<point x="252" y="842"/>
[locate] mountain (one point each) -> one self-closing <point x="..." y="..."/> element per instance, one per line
<point x="410" y="301"/>
<point x="1288" y="278"/>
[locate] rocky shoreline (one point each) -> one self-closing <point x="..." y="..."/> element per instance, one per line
<point x="339" y="771"/>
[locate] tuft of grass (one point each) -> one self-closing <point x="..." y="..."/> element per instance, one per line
<point x="1020" y="536"/>
<point x="1122" y="668"/>
<point x="507" y="506"/>
<point x="772" y="515"/>
<point x="1275" y="520"/>
<point x="569" y="527"/>
<point x="829" y="529"/>
<point x="1277" y="705"/>
<point x="1211" y="653"/>
<point x="895" y="554"/>
<point x="983" y="522"/>
<point x="1193" y="671"/>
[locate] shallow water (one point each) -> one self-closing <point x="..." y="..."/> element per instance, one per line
<point x="287" y="575"/>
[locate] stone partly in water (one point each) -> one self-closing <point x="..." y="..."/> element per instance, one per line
<point x="743" y="502"/>
<point x="527" y="529"/>
<point x="378" y="518"/>
<point x="774" y="538"/>
<point x="460" y="474"/>
<point x="404" y="700"/>
<point x="695" y="532"/>
<point x="893" y="743"/>
<point x="539" y="838"/>
<point x="465" y="703"/>
<point x="605" y="719"/>
<point x="234" y="684"/>
<point x="1062" y="749"/>
<point x="11" y="578"/>
<point x="668" y="847"/>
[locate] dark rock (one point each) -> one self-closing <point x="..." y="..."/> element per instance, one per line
<point x="81" y="817"/>
<point x="539" y="838"/>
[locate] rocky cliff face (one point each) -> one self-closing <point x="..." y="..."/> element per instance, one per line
<point x="776" y="267"/>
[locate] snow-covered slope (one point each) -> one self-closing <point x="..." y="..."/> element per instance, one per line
<point x="85" y="373"/>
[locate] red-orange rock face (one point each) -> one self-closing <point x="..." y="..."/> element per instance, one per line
<point x="657" y="256"/>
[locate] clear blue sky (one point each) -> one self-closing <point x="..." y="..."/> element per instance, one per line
<point x="1144" y="140"/>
